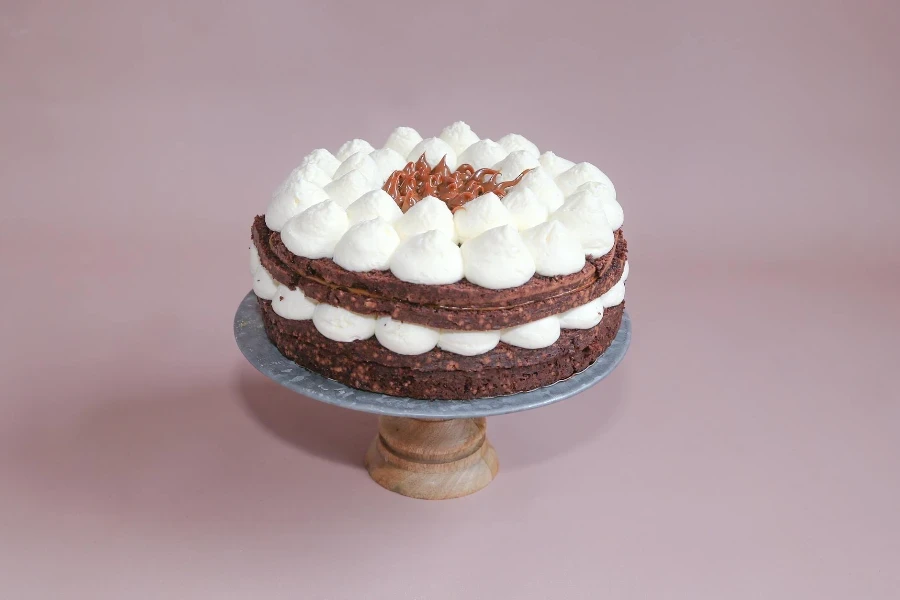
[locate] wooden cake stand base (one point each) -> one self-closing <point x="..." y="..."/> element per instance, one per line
<point x="432" y="459"/>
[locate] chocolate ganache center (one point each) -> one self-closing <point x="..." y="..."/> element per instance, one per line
<point x="417" y="180"/>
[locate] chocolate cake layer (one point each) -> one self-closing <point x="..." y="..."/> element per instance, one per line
<point x="437" y="374"/>
<point x="461" y="305"/>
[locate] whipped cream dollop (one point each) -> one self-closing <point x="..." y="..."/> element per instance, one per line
<point x="514" y="163"/>
<point x="615" y="295"/>
<point x="374" y="204"/>
<point x="513" y="142"/>
<point x="539" y="181"/>
<point x="434" y="149"/>
<point x="315" y="232"/>
<point x="497" y="259"/>
<point x="568" y="181"/>
<point x="367" y="246"/>
<point x="312" y="174"/>
<point x="254" y="259"/>
<point x="555" y="249"/>
<point x="614" y="213"/>
<point x="537" y="334"/>
<point x="345" y="190"/>
<point x="584" y="316"/>
<point x="341" y="325"/>
<point x="402" y="140"/>
<point x="405" y="338"/>
<point x="483" y="154"/>
<point x="429" y="258"/>
<point x="426" y="214"/>
<point x="583" y="214"/>
<point x="477" y="216"/>
<point x="459" y="136"/>
<point x="361" y="162"/>
<point x="292" y="304"/>
<point x="291" y="199"/>
<point x="387" y="160"/>
<point x="468" y="343"/>
<point x="323" y="159"/>
<point x="264" y="286"/>
<point x="524" y="208"/>
<point x="554" y="165"/>
<point x="352" y="147"/>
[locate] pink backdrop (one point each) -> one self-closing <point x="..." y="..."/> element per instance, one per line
<point x="747" y="447"/>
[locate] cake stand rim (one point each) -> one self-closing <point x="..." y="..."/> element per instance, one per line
<point x="254" y="344"/>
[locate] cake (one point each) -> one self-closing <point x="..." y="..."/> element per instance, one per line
<point x="449" y="267"/>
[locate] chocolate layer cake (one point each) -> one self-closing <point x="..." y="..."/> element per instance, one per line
<point x="443" y="268"/>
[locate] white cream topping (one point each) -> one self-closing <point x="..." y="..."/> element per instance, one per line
<point x="312" y="174"/>
<point x="346" y="189"/>
<point x="468" y="343"/>
<point x="374" y="204"/>
<point x="429" y="258"/>
<point x="426" y="214"/>
<point x="292" y="304"/>
<point x="557" y="206"/>
<point x="361" y="162"/>
<point x="315" y="232"/>
<point x="555" y="249"/>
<point x="514" y="163"/>
<point x="483" y="154"/>
<point x="387" y="160"/>
<point x="524" y="208"/>
<point x="625" y="272"/>
<point x="263" y="284"/>
<point x="254" y="259"/>
<point x="477" y="216"/>
<point x="543" y="186"/>
<point x="568" y="181"/>
<point x="434" y="149"/>
<point x="322" y="159"/>
<point x="553" y="164"/>
<point x="341" y="325"/>
<point x="367" y="246"/>
<point x="459" y="136"/>
<point x="614" y="213"/>
<point x="402" y="140"/>
<point x="291" y="199"/>
<point x="352" y="147"/>
<point x="497" y="259"/>
<point x="537" y="334"/>
<point x="584" y="316"/>
<point x="583" y="215"/>
<point x="514" y="142"/>
<point x="405" y="338"/>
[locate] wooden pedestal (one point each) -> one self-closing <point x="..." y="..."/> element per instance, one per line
<point x="432" y="460"/>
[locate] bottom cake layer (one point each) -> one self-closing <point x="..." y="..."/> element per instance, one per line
<point x="439" y="375"/>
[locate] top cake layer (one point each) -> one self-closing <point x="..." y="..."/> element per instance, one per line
<point x="439" y="210"/>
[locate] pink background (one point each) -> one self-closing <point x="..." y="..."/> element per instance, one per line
<point x="747" y="448"/>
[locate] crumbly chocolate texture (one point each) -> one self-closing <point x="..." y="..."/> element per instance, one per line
<point x="439" y="375"/>
<point x="461" y="305"/>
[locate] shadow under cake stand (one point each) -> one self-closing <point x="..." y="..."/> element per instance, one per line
<point x="430" y="449"/>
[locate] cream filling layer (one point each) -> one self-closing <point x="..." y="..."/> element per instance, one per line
<point x="342" y="325"/>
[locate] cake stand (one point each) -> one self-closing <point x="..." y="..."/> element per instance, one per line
<point x="430" y="449"/>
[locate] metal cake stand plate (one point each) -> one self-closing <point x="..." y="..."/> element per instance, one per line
<point x="430" y="449"/>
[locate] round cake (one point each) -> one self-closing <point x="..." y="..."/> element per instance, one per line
<point x="449" y="267"/>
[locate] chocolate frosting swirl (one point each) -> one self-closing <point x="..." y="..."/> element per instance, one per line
<point x="417" y="180"/>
